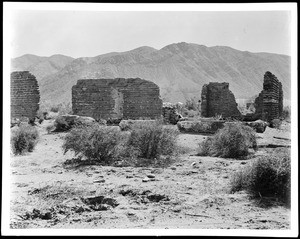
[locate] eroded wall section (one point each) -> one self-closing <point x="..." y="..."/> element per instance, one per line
<point x="269" y="103"/>
<point x="118" y="98"/>
<point x="217" y="99"/>
<point x="25" y="95"/>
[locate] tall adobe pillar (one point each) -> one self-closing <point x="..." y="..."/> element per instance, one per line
<point x="25" y="95"/>
<point x="271" y="103"/>
<point x="217" y="99"/>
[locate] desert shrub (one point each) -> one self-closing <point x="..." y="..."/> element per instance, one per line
<point x="82" y="122"/>
<point x="31" y="121"/>
<point x="151" y="141"/>
<point x="275" y="123"/>
<point x="54" y="109"/>
<point x="192" y="104"/>
<point x="65" y="122"/>
<point x="40" y="120"/>
<point x="286" y="113"/>
<point x="266" y="176"/>
<point x="232" y="141"/>
<point x="126" y="125"/>
<point x="184" y="112"/>
<point x="218" y="117"/>
<point x="24" y="139"/>
<point x="40" y="115"/>
<point x="61" y="124"/>
<point x="102" y="121"/>
<point x="50" y="128"/>
<point x="43" y="107"/>
<point x="45" y="114"/>
<point x="205" y="147"/>
<point x="61" y="108"/>
<point x="200" y="126"/>
<point x="192" y="113"/>
<point x="65" y="108"/>
<point x="94" y="142"/>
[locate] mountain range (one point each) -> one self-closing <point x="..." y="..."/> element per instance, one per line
<point x="179" y="69"/>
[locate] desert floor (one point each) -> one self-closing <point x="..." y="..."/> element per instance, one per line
<point x="192" y="193"/>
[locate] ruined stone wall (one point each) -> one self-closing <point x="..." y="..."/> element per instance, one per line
<point x="217" y="99"/>
<point x="118" y="98"/>
<point x="269" y="103"/>
<point x="258" y="104"/>
<point x="170" y="113"/>
<point x="25" y="95"/>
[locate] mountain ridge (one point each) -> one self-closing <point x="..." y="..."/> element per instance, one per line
<point x="180" y="70"/>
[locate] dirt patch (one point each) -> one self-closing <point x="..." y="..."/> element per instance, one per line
<point x="144" y="196"/>
<point x="100" y="203"/>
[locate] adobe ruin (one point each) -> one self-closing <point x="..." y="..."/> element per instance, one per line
<point x="25" y="95"/>
<point x="119" y="98"/>
<point x="269" y="103"/>
<point x="217" y="99"/>
<point x="170" y="114"/>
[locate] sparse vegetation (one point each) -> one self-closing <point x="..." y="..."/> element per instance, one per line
<point x="50" y="128"/>
<point x="195" y="126"/>
<point x="152" y="140"/>
<point x="24" y="139"/>
<point x="191" y="108"/>
<point x="266" y="176"/>
<point x="192" y="104"/>
<point x="61" y="124"/>
<point x="275" y="123"/>
<point x="126" y="125"/>
<point x="96" y="143"/>
<point x="107" y="144"/>
<point x="66" y="122"/>
<point x="47" y="110"/>
<point x="286" y="113"/>
<point x="54" y="109"/>
<point x="41" y="120"/>
<point x="65" y="108"/>
<point x="232" y="141"/>
<point x="82" y="187"/>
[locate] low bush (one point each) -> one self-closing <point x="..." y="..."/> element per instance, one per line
<point x="144" y="144"/>
<point x="266" y="176"/>
<point x="41" y="120"/>
<point x="200" y="126"/>
<point x="151" y="141"/>
<point x="61" y="124"/>
<point x="50" y="128"/>
<point x="65" y="122"/>
<point x="54" y="109"/>
<point x="65" y="108"/>
<point x="24" y="139"/>
<point x="126" y="125"/>
<point x="286" y="113"/>
<point x="275" y="123"/>
<point x="232" y="141"/>
<point x="48" y="107"/>
<point x="94" y="142"/>
<point x="192" y="104"/>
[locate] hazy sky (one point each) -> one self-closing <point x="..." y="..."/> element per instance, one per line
<point x="91" y="33"/>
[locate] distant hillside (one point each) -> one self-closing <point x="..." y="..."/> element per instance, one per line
<point x="40" y="66"/>
<point x="180" y="70"/>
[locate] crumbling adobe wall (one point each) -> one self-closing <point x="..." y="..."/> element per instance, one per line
<point x="25" y="95"/>
<point x="170" y="114"/>
<point x="217" y="99"/>
<point x="269" y="103"/>
<point x="118" y="98"/>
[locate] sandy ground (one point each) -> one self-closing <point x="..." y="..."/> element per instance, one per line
<point x="193" y="192"/>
